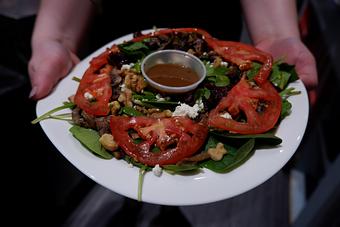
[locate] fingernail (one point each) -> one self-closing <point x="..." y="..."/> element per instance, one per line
<point x="33" y="92"/>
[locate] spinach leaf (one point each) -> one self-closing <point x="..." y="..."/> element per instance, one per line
<point x="77" y="79"/>
<point x="230" y="162"/>
<point x="281" y="75"/>
<point x="286" y="105"/>
<point x="48" y="115"/>
<point x="134" y="50"/>
<point x="182" y="168"/>
<point x="145" y="96"/>
<point x="131" y="47"/>
<point x="150" y="100"/>
<point x="253" y="71"/>
<point x="129" y="159"/>
<point x="90" y="139"/>
<point x="289" y="69"/>
<point x="217" y="75"/>
<point x="286" y="108"/>
<point x="278" y="77"/>
<point x="265" y="138"/>
<point x="137" y="67"/>
<point x="222" y="81"/>
<point x="289" y="92"/>
<point x="213" y="141"/>
<point x="161" y="104"/>
<point x="131" y="111"/>
<point x="202" y="93"/>
<point x="141" y="175"/>
<point x="155" y="149"/>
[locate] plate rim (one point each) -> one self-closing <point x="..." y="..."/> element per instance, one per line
<point x="149" y="178"/>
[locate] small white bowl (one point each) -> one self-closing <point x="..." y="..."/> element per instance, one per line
<point x="173" y="57"/>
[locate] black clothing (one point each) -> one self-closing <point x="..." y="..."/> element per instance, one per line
<point x="118" y="18"/>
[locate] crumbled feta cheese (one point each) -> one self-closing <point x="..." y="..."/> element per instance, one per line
<point x="186" y="110"/>
<point x="127" y="66"/>
<point x="130" y="165"/>
<point x="159" y="98"/>
<point x="157" y="170"/>
<point x="225" y="64"/>
<point x="89" y="96"/>
<point x="122" y="87"/>
<point x="133" y="121"/>
<point x="138" y="102"/>
<point x="226" y="115"/>
<point x="200" y="104"/>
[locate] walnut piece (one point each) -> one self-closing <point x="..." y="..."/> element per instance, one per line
<point x="107" y="142"/>
<point x="217" y="153"/>
<point x="133" y="80"/>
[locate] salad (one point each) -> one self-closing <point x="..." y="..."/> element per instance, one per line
<point x="218" y="126"/>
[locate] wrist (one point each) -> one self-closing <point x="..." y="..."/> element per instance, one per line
<point x="274" y="39"/>
<point x="271" y="20"/>
<point x="38" y="39"/>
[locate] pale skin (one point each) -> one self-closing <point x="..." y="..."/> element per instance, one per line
<point x="61" y="25"/>
<point x="58" y="33"/>
<point x="273" y="26"/>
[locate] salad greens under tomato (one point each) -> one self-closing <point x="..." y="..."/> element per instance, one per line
<point x="218" y="126"/>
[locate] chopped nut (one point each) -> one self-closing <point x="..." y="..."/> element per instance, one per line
<point x="71" y="98"/>
<point x="126" y="97"/>
<point x="217" y="62"/>
<point x="191" y="51"/>
<point x="165" y="113"/>
<point x="107" y="142"/>
<point x="134" y="81"/>
<point x="217" y="153"/>
<point x="114" y="107"/>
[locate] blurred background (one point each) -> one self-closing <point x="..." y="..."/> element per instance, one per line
<point x="41" y="188"/>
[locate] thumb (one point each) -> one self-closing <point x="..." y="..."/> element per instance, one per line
<point x="46" y="68"/>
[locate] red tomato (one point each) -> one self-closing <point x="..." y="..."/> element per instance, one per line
<point x="94" y="91"/>
<point x="176" y="138"/>
<point x="242" y="55"/>
<point x="260" y="104"/>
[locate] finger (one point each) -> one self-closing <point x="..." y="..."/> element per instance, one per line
<point x="312" y="96"/>
<point x="74" y="58"/>
<point x="46" y="73"/>
<point x="306" y="69"/>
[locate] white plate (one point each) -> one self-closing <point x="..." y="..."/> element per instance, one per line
<point x="204" y="187"/>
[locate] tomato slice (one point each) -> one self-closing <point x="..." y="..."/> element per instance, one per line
<point x="175" y="138"/>
<point x="260" y="104"/>
<point x="242" y="55"/>
<point x="94" y="90"/>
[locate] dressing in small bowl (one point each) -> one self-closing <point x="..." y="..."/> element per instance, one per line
<point x="173" y="71"/>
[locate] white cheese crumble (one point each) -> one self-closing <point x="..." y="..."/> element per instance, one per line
<point x="127" y="66"/>
<point x="132" y="120"/>
<point x="225" y="64"/>
<point x="88" y="96"/>
<point x="122" y="87"/>
<point x="157" y="170"/>
<point x="186" y="110"/>
<point x="200" y="104"/>
<point x="159" y="98"/>
<point x="226" y="115"/>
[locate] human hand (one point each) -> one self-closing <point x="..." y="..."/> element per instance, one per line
<point x="294" y="52"/>
<point x="50" y="62"/>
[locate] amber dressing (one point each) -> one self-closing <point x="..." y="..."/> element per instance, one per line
<point x="172" y="75"/>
